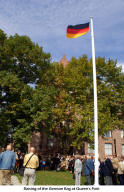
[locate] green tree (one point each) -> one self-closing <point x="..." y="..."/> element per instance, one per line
<point x="22" y="63"/>
<point x="75" y="85"/>
<point x="110" y="95"/>
<point x="60" y="101"/>
<point x="19" y="55"/>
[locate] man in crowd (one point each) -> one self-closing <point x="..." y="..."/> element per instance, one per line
<point x="7" y="164"/>
<point x="89" y="169"/>
<point x="30" y="170"/>
<point x="115" y="162"/>
<point x="108" y="171"/>
<point x="77" y="169"/>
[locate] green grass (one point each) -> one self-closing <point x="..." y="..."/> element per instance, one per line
<point x="55" y="178"/>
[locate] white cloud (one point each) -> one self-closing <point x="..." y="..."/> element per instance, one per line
<point x="121" y="65"/>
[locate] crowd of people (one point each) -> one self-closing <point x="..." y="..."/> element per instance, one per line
<point x="111" y="168"/>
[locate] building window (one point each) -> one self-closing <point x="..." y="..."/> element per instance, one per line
<point x="122" y="134"/>
<point x="108" y="149"/>
<point x="123" y="149"/>
<point x="90" y="149"/>
<point x="108" y="134"/>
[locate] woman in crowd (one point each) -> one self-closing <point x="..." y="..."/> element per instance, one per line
<point x="121" y="171"/>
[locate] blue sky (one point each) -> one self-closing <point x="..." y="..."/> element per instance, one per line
<point x="45" y="22"/>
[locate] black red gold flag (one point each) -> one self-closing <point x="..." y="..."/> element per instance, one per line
<point x="74" y="31"/>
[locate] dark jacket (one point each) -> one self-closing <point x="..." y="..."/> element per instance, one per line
<point x="108" y="169"/>
<point x="101" y="168"/>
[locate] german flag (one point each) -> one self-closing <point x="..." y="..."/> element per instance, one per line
<point x="74" y="31"/>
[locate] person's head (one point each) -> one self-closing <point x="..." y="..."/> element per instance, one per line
<point x="92" y="157"/>
<point x="110" y="157"/>
<point x="88" y="157"/>
<point x="106" y="157"/>
<point x="32" y="150"/>
<point x="9" y="147"/>
<point x="77" y="156"/>
<point x="101" y="159"/>
<point x="114" y="155"/>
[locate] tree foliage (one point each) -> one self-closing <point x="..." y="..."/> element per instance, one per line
<point x="38" y="95"/>
<point x="22" y="64"/>
<point x="75" y="99"/>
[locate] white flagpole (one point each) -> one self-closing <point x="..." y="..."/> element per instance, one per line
<point x="95" y="105"/>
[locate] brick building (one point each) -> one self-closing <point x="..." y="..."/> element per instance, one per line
<point x="44" y="144"/>
<point x="112" y="142"/>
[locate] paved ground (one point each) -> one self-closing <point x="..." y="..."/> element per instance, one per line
<point x="15" y="180"/>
